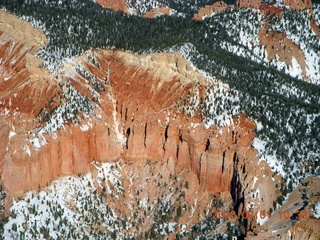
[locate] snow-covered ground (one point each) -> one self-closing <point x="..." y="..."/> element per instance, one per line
<point x="69" y="208"/>
<point x="221" y="102"/>
<point x="243" y="28"/>
<point x="272" y="160"/>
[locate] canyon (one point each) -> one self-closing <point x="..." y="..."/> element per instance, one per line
<point x="135" y="118"/>
<point x="142" y="114"/>
<point x="277" y="46"/>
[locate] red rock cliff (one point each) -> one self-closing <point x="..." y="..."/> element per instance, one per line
<point x="293" y="4"/>
<point x="116" y="5"/>
<point x="298" y="4"/>
<point x="208" y="10"/>
<point x="135" y="118"/>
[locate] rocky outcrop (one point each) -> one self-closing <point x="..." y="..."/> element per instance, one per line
<point x="135" y="118"/>
<point x="116" y="5"/>
<point x="280" y="48"/>
<point x="21" y="75"/>
<point x="269" y="10"/>
<point x="208" y="10"/>
<point x="303" y="230"/>
<point x="292" y="4"/>
<point x="156" y="12"/>
<point x="298" y="4"/>
<point x="315" y="27"/>
<point x="249" y="4"/>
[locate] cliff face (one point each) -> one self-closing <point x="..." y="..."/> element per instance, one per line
<point x="280" y="48"/>
<point x="116" y="5"/>
<point x="292" y="4"/>
<point x="298" y="4"/>
<point x="133" y="117"/>
<point x="208" y="10"/>
<point x="157" y="12"/>
<point x="138" y="121"/>
<point x="249" y="4"/>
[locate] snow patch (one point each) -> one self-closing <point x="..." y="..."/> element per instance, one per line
<point x="272" y="160"/>
<point x="316" y="211"/>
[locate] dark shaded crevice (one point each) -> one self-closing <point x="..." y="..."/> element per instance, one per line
<point x="199" y="172"/>
<point x="236" y="186"/>
<point x="165" y="139"/>
<point x="223" y="160"/>
<point x="207" y="145"/>
<point x="145" y="135"/>
<point x="108" y="131"/>
<point x="238" y="194"/>
<point x="180" y="140"/>
<point x="166" y="133"/>
<point x="177" y="151"/>
<point x="233" y="138"/>
<point x="126" y="115"/>
<point x="128" y="135"/>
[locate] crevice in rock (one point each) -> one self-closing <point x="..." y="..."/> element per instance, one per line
<point x="233" y="138"/>
<point x="207" y="145"/>
<point x="177" y="151"/>
<point x="236" y="186"/>
<point x="166" y="133"/>
<point x="126" y="115"/>
<point x="223" y="160"/>
<point x="145" y="135"/>
<point x="128" y="135"/>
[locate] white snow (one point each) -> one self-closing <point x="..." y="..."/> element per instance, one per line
<point x="272" y="160"/>
<point x="27" y="150"/>
<point x="84" y="127"/>
<point x="295" y="70"/>
<point x="116" y="121"/>
<point x="316" y="212"/>
<point x="254" y="180"/>
<point x="35" y="142"/>
<point x="259" y="126"/>
<point x="11" y="134"/>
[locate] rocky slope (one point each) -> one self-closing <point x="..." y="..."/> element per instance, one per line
<point x="143" y="112"/>
<point x="156" y="12"/>
<point x="208" y="10"/>
<point x="114" y="5"/>
<point x="292" y="4"/>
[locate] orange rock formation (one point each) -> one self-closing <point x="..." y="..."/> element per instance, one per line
<point x="249" y="4"/>
<point x="293" y="4"/>
<point x="136" y="119"/>
<point x="157" y="12"/>
<point x="278" y="45"/>
<point x="209" y="9"/>
<point x="116" y="5"/>
<point x="298" y="4"/>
